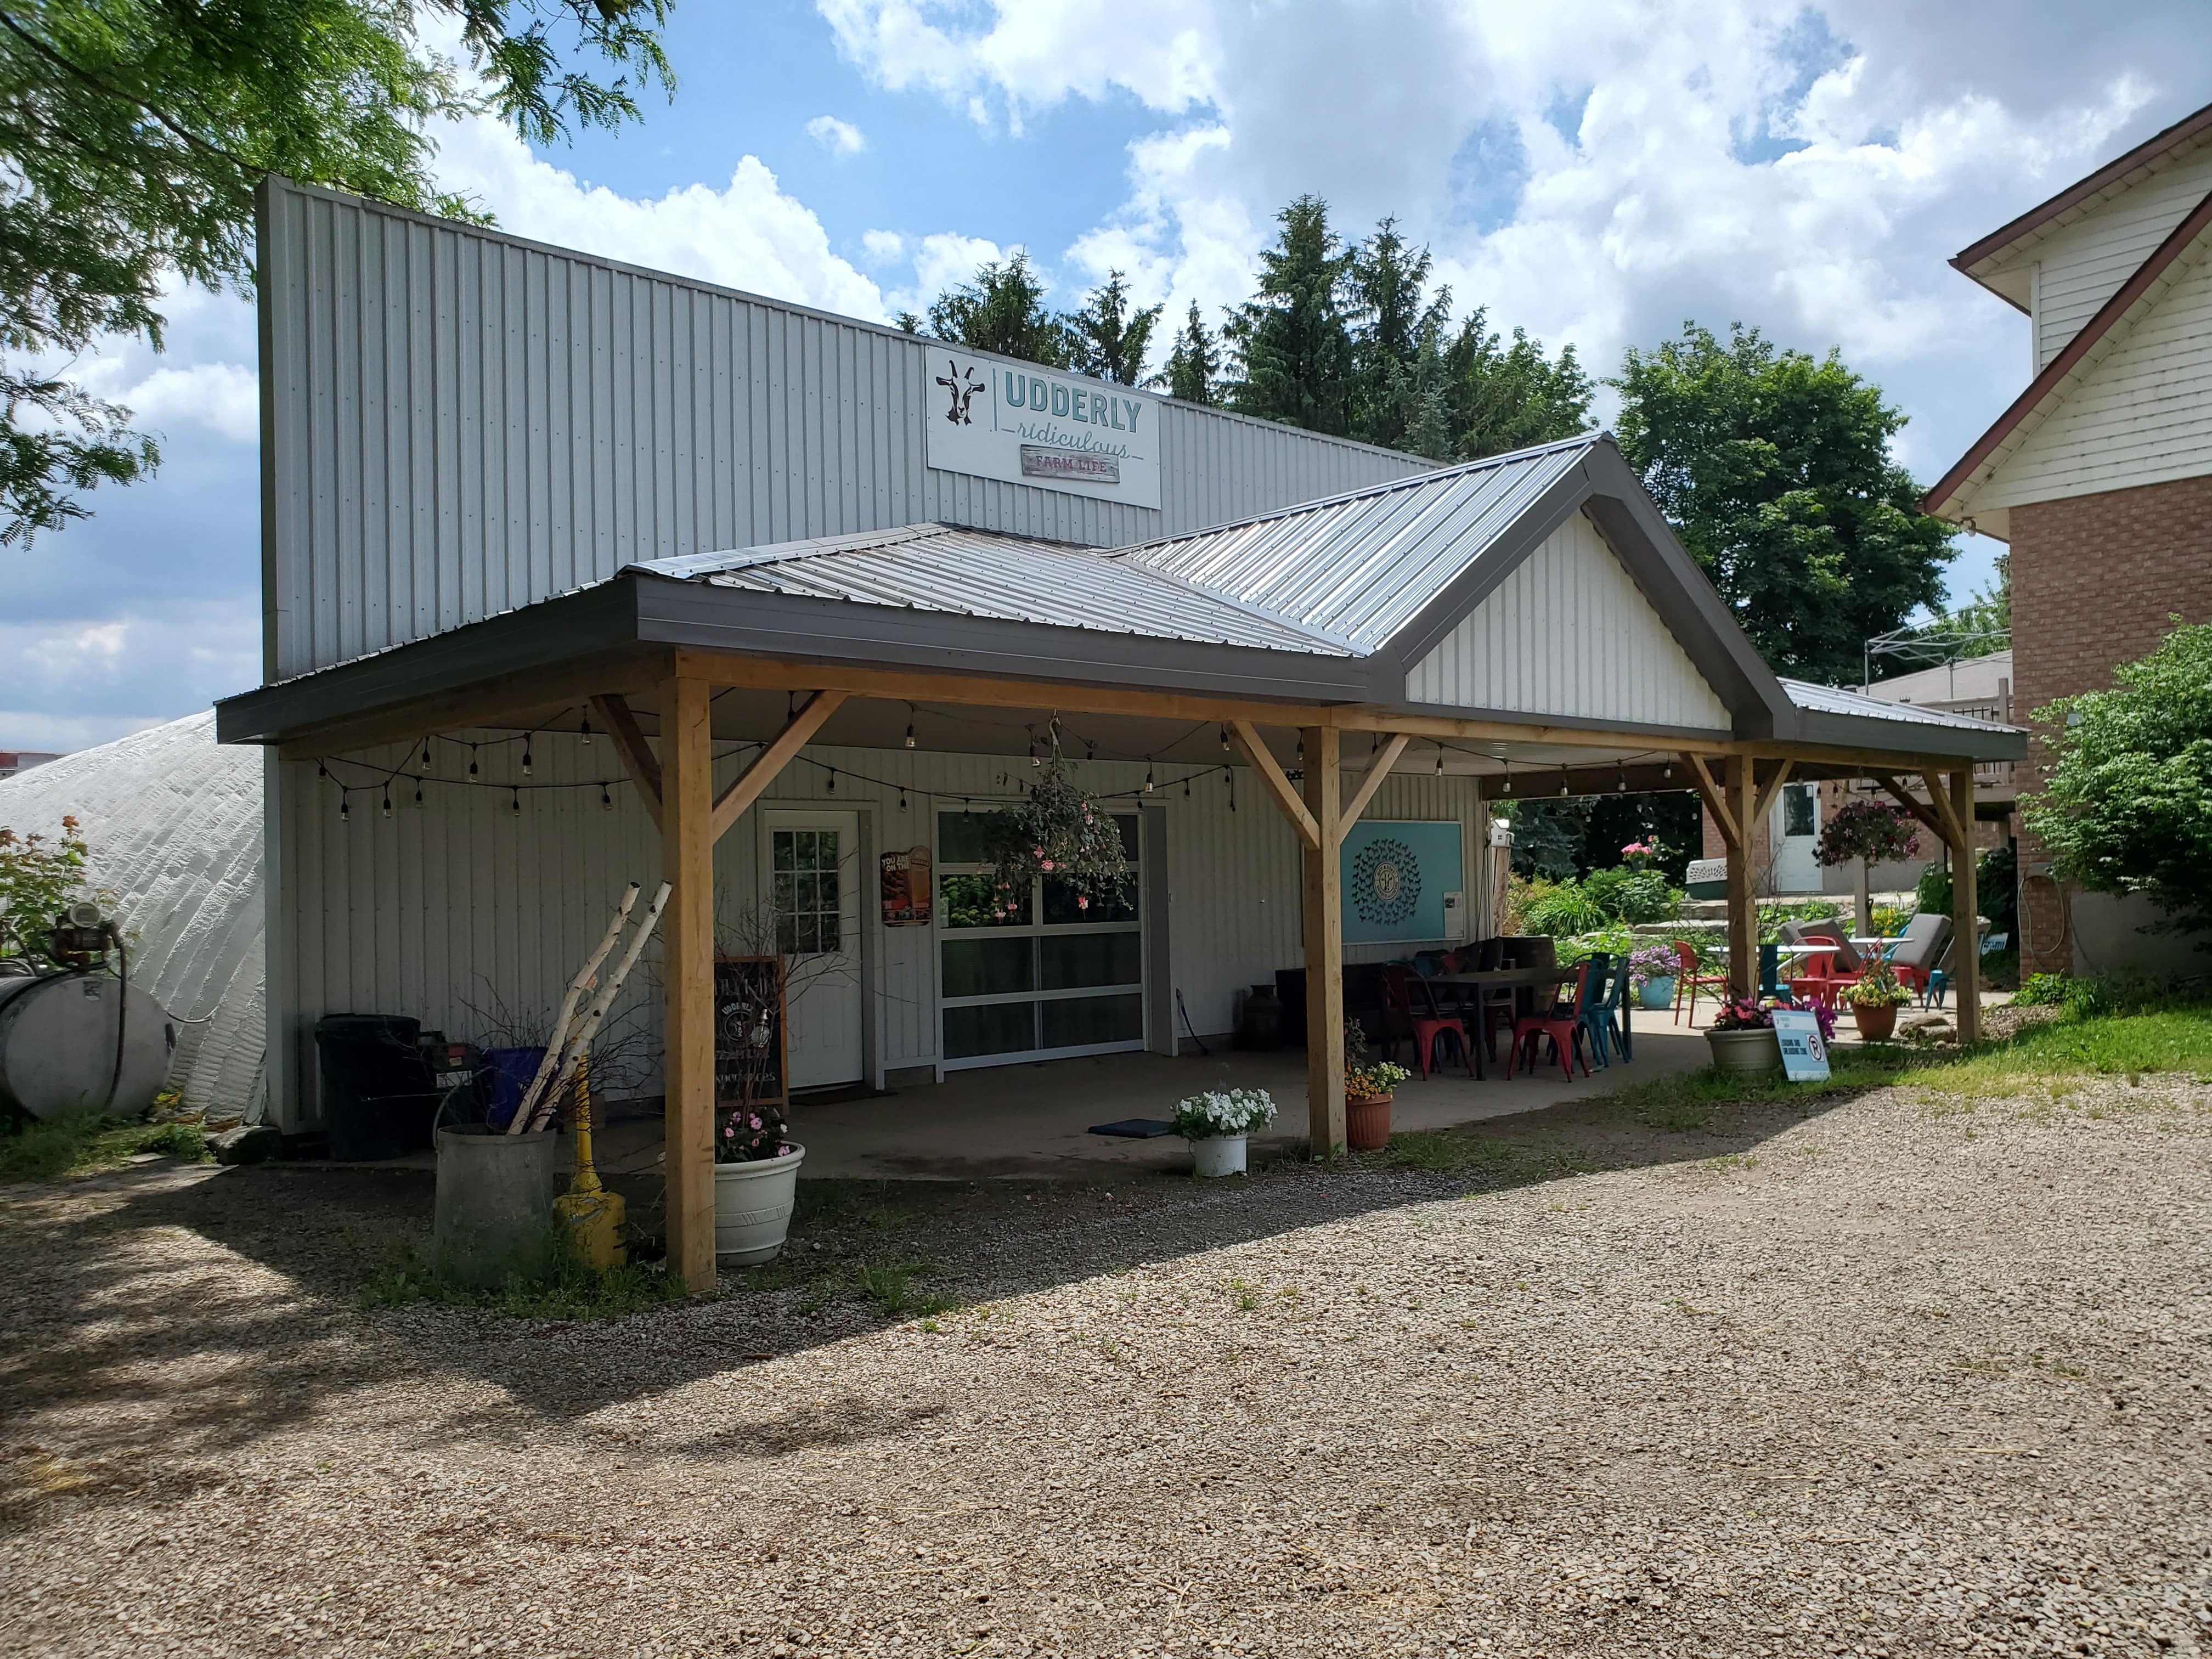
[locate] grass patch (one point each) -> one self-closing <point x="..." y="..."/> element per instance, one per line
<point x="1448" y="1151"/>
<point x="889" y="1289"/>
<point x="47" y="1149"/>
<point x="2061" y="1051"/>
<point x="1688" y="1100"/>
<point x="568" y="1291"/>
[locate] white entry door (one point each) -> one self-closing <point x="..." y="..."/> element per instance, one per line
<point x="813" y="882"/>
<point x="1798" y="816"/>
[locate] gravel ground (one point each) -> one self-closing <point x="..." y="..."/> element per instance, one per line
<point x="1896" y="1378"/>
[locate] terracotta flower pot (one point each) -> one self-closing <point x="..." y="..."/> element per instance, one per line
<point x="1367" y="1123"/>
<point x="1875" y="1021"/>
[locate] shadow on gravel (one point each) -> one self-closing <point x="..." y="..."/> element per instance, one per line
<point x="126" y="1332"/>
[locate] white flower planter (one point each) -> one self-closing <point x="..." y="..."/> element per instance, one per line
<point x="752" y="1207"/>
<point x="1218" y="1155"/>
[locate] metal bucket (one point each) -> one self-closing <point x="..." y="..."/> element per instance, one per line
<point x="496" y="1193"/>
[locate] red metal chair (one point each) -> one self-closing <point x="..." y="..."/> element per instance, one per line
<point x="1820" y="982"/>
<point x="1427" y="1025"/>
<point x="1688" y="981"/>
<point x="1563" y="1022"/>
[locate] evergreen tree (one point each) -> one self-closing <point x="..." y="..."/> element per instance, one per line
<point x="1003" y="310"/>
<point x="1291" y="345"/>
<point x="1109" y="340"/>
<point x="1510" y="396"/>
<point x="132" y="134"/>
<point x="1774" y="468"/>
<point x="1194" y="370"/>
<point x="1397" y="330"/>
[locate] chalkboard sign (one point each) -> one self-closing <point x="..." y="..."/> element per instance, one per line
<point x="750" y="1058"/>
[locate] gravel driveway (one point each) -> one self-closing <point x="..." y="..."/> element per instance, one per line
<point x="1894" y="1378"/>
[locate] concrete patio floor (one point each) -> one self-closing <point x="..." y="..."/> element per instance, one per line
<point x="1033" y="1120"/>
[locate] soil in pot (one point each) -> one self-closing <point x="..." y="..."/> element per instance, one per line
<point x="1367" y="1123"/>
<point x="1875" y="1022"/>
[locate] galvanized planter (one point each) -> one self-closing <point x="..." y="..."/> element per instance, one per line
<point x="1756" y="1050"/>
<point x="495" y="1203"/>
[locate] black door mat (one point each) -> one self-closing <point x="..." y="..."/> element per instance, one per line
<point x="1134" y="1128"/>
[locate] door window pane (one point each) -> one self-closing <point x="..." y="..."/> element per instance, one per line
<point x="1081" y="1021"/>
<point x="969" y="902"/>
<point x="1797" y="810"/>
<point x="807" y="891"/>
<point x="990" y="1028"/>
<point x="985" y="966"/>
<point x="1074" y="959"/>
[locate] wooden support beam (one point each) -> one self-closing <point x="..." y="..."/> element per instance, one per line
<point x="1255" y="754"/>
<point x="730" y="806"/>
<point x="1767" y="791"/>
<point x="1948" y="826"/>
<point x="1371" y="780"/>
<point x="1965" y="907"/>
<point x="1742" y="900"/>
<point x="1701" y="778"/>
<point x="503" y="700"/>
<point x="1893" y="786"/>
<point x="686" y="863"/>
<point x="637" y="757"/>
<point x="1322" y="898"/>
<point x="1366" y="717"/>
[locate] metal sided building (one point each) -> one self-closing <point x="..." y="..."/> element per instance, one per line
<point x="578" y="574"/>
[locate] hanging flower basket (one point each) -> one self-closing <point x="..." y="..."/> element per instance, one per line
<point x="1058" y="832"/>
<point x="1867" y="829"/>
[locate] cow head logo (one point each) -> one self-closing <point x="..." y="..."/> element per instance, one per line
<point x="960" y="387"/>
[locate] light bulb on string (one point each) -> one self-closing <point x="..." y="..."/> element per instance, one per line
<point x="1440" y="760"/>
<point x="514" y="802"/>
<point x="473" y="760"/>
<point x="1563" y="781"/>
<point x="607" y="800"/>
<point x="1507" y="788"/>
<point x="909" y="734"/>
<point x="1670" y="772"/>
<point x="1229" y="775"/>
<point x="345" y="808"/>
<point x="525" y="756"/>
<point x="832" y="780"/>
<point x="418" y="792"/>
<point x="1620" y="783"/>
<point x="387" y="801"/>
<point x="1224" y="739"/>
<point x="321" y="770"/>
<point x="1301" y="749"/>
<point x="902" y="800"/>
<point x="583" y="730"/>
<point x="1148" y="774"/>
<point x="1186" y="788"/>
<point x="425" y="754"/>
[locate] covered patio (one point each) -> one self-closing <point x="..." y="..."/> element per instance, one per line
<point x="1522" y="624"/>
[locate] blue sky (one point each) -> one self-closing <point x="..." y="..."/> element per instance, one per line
<point x="1597" y="171"/>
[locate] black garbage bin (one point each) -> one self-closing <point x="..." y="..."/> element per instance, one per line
<point x="379" y="1093"/>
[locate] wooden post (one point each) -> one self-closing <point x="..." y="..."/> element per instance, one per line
<point x="1965" y="904"/>
<point x="1742" y="906"/>
<point x="1324" y="937"/>
<point x="687" y="864"/>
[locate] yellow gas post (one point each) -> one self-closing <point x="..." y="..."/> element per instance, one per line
<point x="593" y="1215"/>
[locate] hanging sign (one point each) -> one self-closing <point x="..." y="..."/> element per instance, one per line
<point x="906" y="888"/>
<point x="1804" y="1055"/>
<point x="1042" y="426"/>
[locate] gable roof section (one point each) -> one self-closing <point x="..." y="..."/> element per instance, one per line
<point x="1568" y="633"/>
<point x="1953" y="497"/>
<point x="1997" y="261"/>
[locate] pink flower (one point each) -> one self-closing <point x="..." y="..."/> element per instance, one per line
<point x="1081" y="903"/>
<point x="756" y="1122"/>
<point x="729" y="1132"/>
<point x="1046" y="864"/>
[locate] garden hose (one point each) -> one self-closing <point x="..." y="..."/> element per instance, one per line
<point x="2028" y="920"/>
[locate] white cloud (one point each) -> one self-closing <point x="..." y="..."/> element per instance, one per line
<point x="882" y="247"/>
<point x="943" y="259"/>
<point x="224" y="398"/>
<point x="103" y="674"/>
<point x="838" y="137"/>
<point x="748" y="234"/>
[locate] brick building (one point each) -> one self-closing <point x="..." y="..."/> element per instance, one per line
<point x="2098" y="475"/>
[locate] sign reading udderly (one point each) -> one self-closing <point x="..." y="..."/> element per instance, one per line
<point x="1044" y="428"/>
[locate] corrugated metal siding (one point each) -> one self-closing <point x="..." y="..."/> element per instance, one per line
<point x="1569" y="633"/>
<point x="461" y="904"/>
<point x="464" y="423"/>
<point x="173" y="822"/>
<point x="2084" y="265"/>
<point x="1359" y="569"/>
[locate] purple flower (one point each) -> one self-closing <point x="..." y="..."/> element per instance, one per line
<point x="756" y="1122"/>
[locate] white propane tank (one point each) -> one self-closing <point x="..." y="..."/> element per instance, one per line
<point x="57" y="1045"/>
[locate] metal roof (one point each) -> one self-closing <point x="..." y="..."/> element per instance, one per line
<point x="1834" y="700"/>
<point x="976" y="573"/>
<point x="1359" y="567"/>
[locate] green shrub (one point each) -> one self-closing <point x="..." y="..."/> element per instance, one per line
<point x="1997" y="889"/>
<point x="1559" y="907"/>
<point x="1633" y="896"/>
<point x="1933" y="893"/>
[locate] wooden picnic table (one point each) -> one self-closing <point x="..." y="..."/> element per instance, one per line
<point x="1517" y="978"/>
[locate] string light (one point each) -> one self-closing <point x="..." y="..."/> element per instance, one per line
<point x="1563" y="780"/>
<point x="583" y="730"/>
<point x="387" y="801"/>
<point x="909" y="734"/>
<point x="525" y="755"/>
<point x="345" y="809"/>
<point x="1301" y="749"/>
<point x="1148" y="774"/>
<point x="426" y="753"/>
<point x="1620" y="783"/>
<point x="1508" y="789"/>
<point x="902" y="799"/>
<point x="1225" y="740"/>
<point x="1670" y="772"/>
<point x="514" y="803"/>
<point x="607" y="800"/>
<point x="418" y="792"/>
<point x="321" y="770"/>
<point x="1229" y="774"/>
<point x="1186" y="788"/>
<point x="832" y="780"/>
<point x="1440" y="760"/>
<point x="473" y="760"/>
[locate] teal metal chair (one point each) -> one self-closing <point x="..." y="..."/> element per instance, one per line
<point x="1592" y="1008"/>
<point x="1618" y="1000"/>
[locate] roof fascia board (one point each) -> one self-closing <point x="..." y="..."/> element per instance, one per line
<point x="593" y="623"/>
<point x="1684" y="597"/>
<point x="2155" y="148"/>
<point x="883" y="329"/>
<point x="1868" y="732"/>
<point x="1952" y="496"/>
<point x="1661" y="735"/>
<point x="695" y="616"/>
